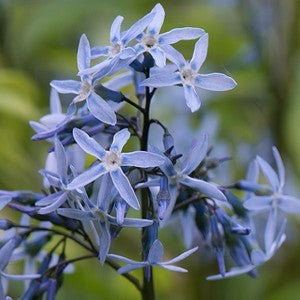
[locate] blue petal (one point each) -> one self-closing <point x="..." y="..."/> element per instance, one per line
<point x="49" y="199"/>
<point x="88" y="176"/>
<point x="55" y="105"/>
<point x="83" y="53"/>
<point x="172" y="268"/>
<point x="161" y="80"/>
<point x="99" y="51"/>
<point x="123" y="186"/>
<point x="178" y="34"/>
<point x="137" y="28"/>
<point x="200" y="52"/>
<point x="127" y="53"/>
<point x="269" y="173"/>
<point x="155" y="25"/>
<point x="4" y="200"/>
<point x="158" y="56"/>
<point x="123" y="259"/>
<point x="289" y="204"/>
<point x="280" y="167"/>
<point x="191" y="97"/>
<point x="142" y="159"/>
<point x="54" y="206"/>
<point x="132" y="222"/>
<point x="20" y="276"/>
<point x="116" y="29"/>
<point x="252" y="176"/>
<point x="174" y="56"/>
<point x="88" y="144"/>
<point x="215" y="82"/>
<point x="100" y="109"/>
<point x="105" y="241"/>
<point x="232" y="272"/>
<point x="105" y="191"/>
<point x="182" y="256"/>
<point x="120" y="139"/>
<point x="197" y="154"/>
<point x="270" y="230"/>
<point x="258" y="203"/>
<point x="156" y="252"/>
<point x="66" y="86"/>
<point x="7" y="250"/>
<point x="75" y="214"/>
<point x="61" y="160"/>
<point x="204" y="187"/>
<point x="131" y="267"/>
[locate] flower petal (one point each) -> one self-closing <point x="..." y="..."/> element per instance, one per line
<point x="76" y="214"/>
<point x="200" y="52"/>
<point x="105" y="241"/>
<point x="49" y="199"/>
<point x="280" y="167"/>
<point x="258" y="203"/>
<point x="123" y="186"/>
<point x="173" y="268"/>
<point x="142" y="159"/>
<point x="123" y="259"/>
<point x="66" y="86"/>
<point x="289" y="204"/>
<point x="156" y="252"/>
<point x="131" y="267"/>
<point x="158" y="19"/>
<point x="197" y="154"/>
<point x="191" y="97"/>
<point x="270" y="230"/>
<point x="100" y="109"/>
<point x="88" y="144"/>
<point x="137" y="28"/>
<point x="204" y="187"/>
<point x="4" y="200"/>
<point x="182" y="256"/>
<point x="116" y="29"/>
<point x="54" y="206"/>
<point x="158" y="56"/>
<point x="99" y="51"/>
<point x="174" y="56"/>
<point x="269" y="173"/>
<point x="215" y="82"/>
<point x="232" y="272"/>
<point x="83" y="53"/>
<point x="178" y="34"/>
<point x="119" y="140"/>
<point x="161" y="80"/>
<point x="133" y="222"/>
<point x="61" y="160"/>
<point x="55" y="104"/>
<point x="88" y="176"/>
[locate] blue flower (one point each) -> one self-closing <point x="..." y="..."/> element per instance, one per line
<point x="84" y="89"/>
<point x="111" y="162"/>
<point x="179" y="174"/>
<point x="185" y="73"/>
<point x="152" y="40"/>
<point x="154" y="258"/>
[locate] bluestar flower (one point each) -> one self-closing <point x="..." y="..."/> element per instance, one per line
<point x="102" y="221"/>
<point x="84" y="89"/>
<point x="275" y="202"/>
<point x="154" y="258"/>
<point x="112" y="161"/>
<point x="152" y="40"/>
<point x="118" y="53"/>
<point x="180" y="175"/>
<point x="186" y="74"/>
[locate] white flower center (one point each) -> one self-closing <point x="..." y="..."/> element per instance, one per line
<point x="149" y="41"/>
<point x="115" y="49"/>
<point x="188" y="75"/>
<point x="112" y="160"/>
<point x="85" y="89"/>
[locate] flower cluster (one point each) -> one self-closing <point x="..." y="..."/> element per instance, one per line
<point x="91" y="184"/>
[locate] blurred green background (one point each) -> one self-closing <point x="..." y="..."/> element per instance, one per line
<point x="256" y="42"/>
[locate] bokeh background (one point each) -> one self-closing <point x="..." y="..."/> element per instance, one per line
<point x="256" y="42"/>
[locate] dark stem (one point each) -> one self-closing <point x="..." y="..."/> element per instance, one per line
<point x="147" y="291"/>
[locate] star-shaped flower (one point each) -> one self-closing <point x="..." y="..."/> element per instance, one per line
<point x="186" y="74"/>
<point x="154" y="258"/>
<point x="111" y="162"/>
<point x="84" y="89"/>
<point x="152" y="40"/>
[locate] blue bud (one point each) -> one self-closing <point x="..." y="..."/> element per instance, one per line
<point x="5" y="224"/>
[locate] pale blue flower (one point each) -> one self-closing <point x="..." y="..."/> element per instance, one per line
<point x="185" y="73"/>
<point x="84" y="89"/>
<point x="111" y="162"/>
<point x="152" y="40"/>
<point x="154" y="258"/>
